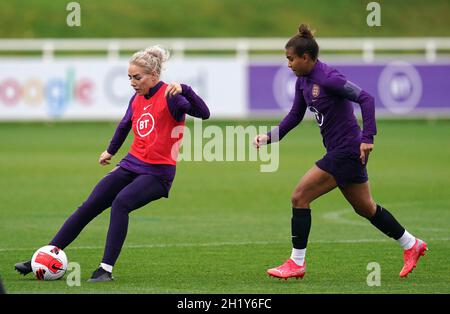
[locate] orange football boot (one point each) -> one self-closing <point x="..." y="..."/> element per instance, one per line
<point x="411" y="257"/>
<point x="288" y="270"/>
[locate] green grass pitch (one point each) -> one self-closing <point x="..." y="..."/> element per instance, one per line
<point x="225" y="223"/>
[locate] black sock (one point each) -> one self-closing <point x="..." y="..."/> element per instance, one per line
<point x="386" y="223"/>
<point x="300" y="227"/>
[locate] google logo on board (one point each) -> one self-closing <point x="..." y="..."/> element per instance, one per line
<point x="56" y="92"/>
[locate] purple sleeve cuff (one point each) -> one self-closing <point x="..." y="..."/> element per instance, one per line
<point x="367" y="139"/>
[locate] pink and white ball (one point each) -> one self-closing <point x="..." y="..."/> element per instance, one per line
<point x="49" y="263"/>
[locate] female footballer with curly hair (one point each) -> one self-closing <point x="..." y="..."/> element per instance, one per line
<point x="328" y="94"/>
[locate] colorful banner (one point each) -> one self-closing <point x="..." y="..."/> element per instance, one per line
<point x="94" y="88"/>
<point x="86" y="89"/>
<point x="400" y="88"/>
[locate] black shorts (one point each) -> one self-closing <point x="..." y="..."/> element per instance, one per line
<point x="345" y="167"/>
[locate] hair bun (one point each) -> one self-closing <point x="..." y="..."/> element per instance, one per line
<point x="158" y="52"/>
<point x="305" y="32"/>
<point x="151" y="59"/>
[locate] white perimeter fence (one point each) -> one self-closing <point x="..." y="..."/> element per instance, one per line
<point x="78" y="79"/>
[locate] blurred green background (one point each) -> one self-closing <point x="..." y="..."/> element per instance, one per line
<point x="221" y="18"/>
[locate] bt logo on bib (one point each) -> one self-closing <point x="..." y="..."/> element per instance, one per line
<point x="145" y="124"/>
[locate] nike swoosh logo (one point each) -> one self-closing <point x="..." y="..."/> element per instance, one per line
<point x="145" y="108"/>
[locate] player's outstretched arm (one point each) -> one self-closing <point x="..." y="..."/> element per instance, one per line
<point x="291" y="120"/>
<point x="121" y="133"/>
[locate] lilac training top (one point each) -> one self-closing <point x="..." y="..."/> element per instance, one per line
<point x="328" y="94"/>
<point x="188" y="102"/>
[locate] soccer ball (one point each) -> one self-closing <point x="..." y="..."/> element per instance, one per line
<point x="49" y="263"/>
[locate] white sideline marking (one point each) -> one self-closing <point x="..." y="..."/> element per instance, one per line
<point x="211" y="244"/>
<point x="335" y="216"/>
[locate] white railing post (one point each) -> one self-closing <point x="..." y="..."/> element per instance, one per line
<point x="48" y="51"/>
<point x="368" y="51"/>
<point x="178" y="49"/>
<point x="242" y="50"/>
<point x="113" y="51"/>
<point x="431" y="51"/>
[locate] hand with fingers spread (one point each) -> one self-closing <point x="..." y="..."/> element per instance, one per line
<point x="259" y="140"/>
<point x="173" y="89"/>
<point x="365" y="150"/>
<point x="104" y="159"/>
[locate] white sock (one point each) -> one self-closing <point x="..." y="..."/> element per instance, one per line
<point x="407" y="240"/>
<point x="106" y="267"/>
<point x="298" y="256"/>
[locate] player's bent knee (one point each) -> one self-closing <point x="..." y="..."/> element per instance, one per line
<point x="120" y="205"/>
<point x="360" y="212"/>
<point x="299" y="201"/>
<point x="365" y="211"/>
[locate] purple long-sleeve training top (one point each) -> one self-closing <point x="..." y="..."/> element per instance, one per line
<point x="328" y="94"/>
<point x="188" y="102"/>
